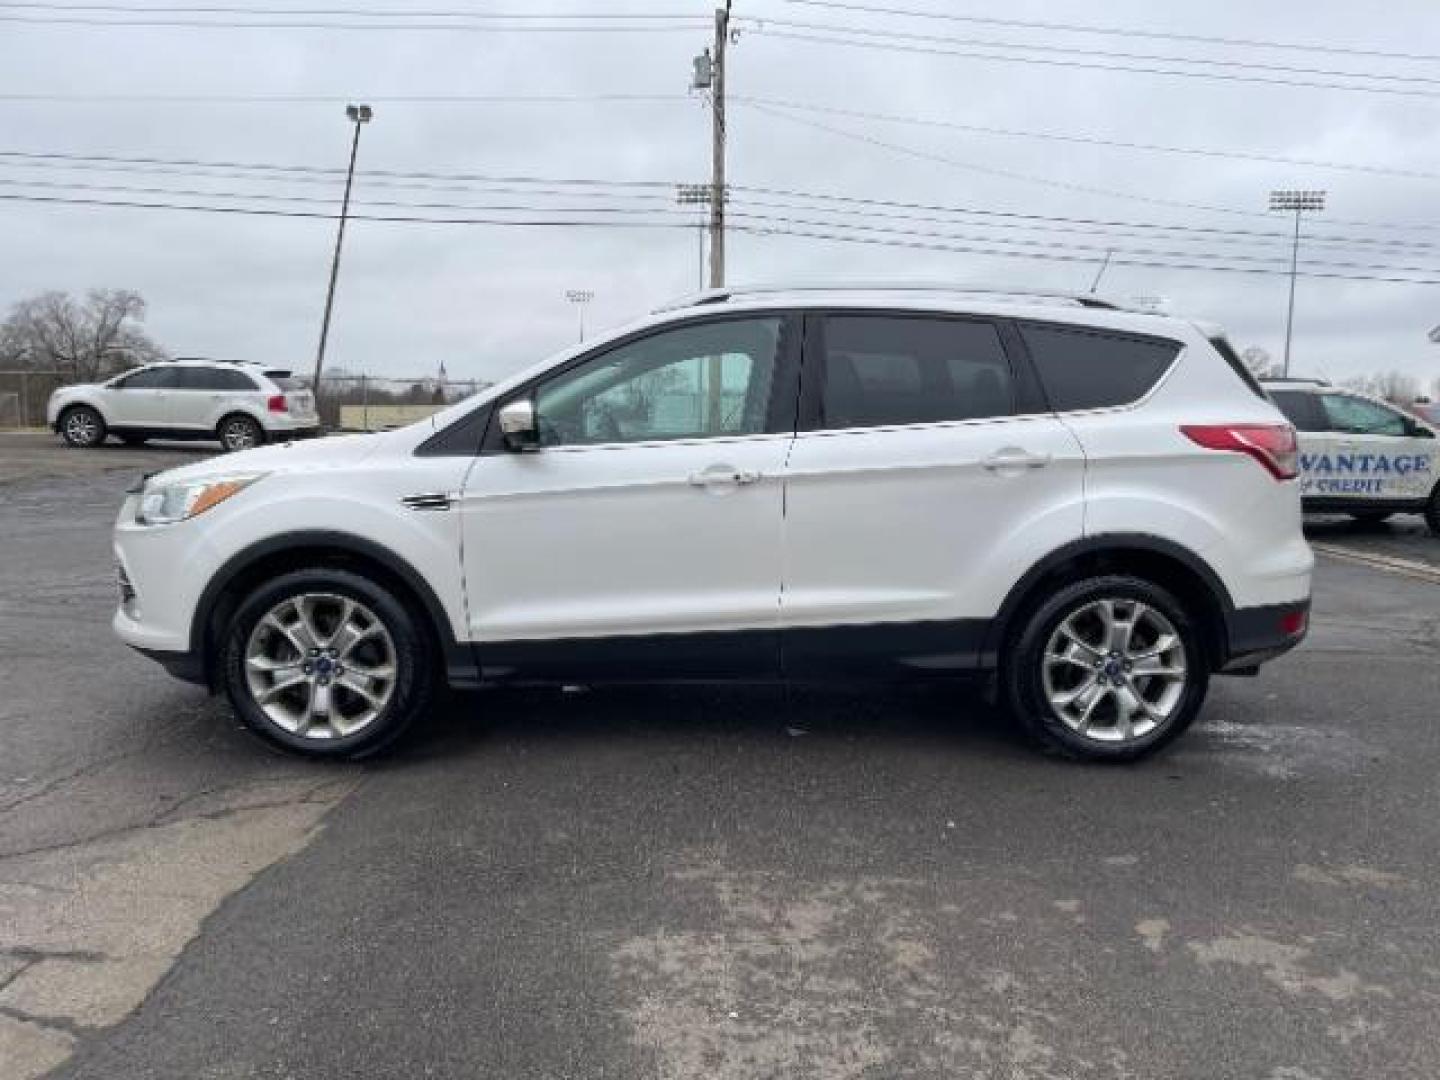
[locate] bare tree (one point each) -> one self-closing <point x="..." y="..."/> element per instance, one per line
<point x="81" y="339"/>
<point x="1394" y="386"/>
<point x="1260" y="362"/>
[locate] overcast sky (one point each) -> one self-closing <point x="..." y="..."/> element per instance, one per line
<point x="486" y="299"/>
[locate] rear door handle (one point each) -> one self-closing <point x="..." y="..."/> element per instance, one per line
<point x="717" y="475"/>
<point x="1014" y="459"/>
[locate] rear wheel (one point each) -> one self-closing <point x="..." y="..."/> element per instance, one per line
<point x="328" y="663"/>
<point x="240" y="432"/>
<point x="1107" y="669"/>
<point x="82" y="426"/>
<point x="1372" y="517"/>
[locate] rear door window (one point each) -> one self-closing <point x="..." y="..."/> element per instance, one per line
<point x="155" y="378"/>
<point x="201" y="378"/>
<point x="1085" y="369"/>
<point x="882" y="370"/>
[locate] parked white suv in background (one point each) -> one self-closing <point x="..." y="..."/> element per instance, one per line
<point x="1359" y="455"/>
<point x="801" y="483"/>
<point x="241" y="405"/>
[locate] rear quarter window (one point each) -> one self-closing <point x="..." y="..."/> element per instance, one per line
<point x="1088" y="369"/>
<point x="1301" y="409"/>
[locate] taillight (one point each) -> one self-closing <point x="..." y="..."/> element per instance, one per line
<point x="1272" y="445"/>
<point x="276" y="403"/>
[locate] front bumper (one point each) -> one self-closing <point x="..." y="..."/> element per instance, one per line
<point x="1255" y="635"/>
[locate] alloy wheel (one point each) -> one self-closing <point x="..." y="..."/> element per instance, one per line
<point x="81" y="427"/>
<point x="1114" y="670"/>
<point x="321" y="666"/>
<point x="238" y="434"/>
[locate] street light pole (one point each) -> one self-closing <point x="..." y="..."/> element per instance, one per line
<point x="357" y="114"/>
<point x="580" y="297"/>
<point x="1297" y="202"/>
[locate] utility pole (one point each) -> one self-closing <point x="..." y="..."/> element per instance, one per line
<point x="717" y="150"/>
<point x="1299" y="202"/>
<point x="710" y="75"/>
<point x="357" y="114"/>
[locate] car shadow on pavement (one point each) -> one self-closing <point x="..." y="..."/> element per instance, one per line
<point x="953" y="718"/>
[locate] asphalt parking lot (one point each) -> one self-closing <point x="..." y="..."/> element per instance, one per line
<point x="733" y="883"/>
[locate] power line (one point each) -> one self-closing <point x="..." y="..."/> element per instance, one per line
<point x="1093" y="249"/>
<point x="634" y="189"/>
<point x="368" y="12"/>
<point x="273" y="24"/>
<point x="1088" y="260"/>
<point x="767" y="226"/>
<point x="970" y="54"/>
<point x="941" y="159"/>
<point x="331" y="99"/>
<point x="1089" y="140"/>
<point x="320" y="215"/>
<point x="1114" y="31"/>
<point x="1200" y="61"/>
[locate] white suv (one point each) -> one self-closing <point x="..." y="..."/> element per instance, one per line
<point x="241" y="405"/>
<point x="1359" y="455"/>
<point x="1092" y="503"/>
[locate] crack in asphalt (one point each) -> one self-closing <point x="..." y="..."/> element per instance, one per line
<point x="54" y="1023"/>
<point x="162" y="820"/>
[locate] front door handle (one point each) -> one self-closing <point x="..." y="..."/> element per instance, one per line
<point x="720" y="475"/>
<point x="1012" y="459"/>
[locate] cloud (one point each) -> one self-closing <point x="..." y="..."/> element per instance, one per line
<point x="489" y="299"/>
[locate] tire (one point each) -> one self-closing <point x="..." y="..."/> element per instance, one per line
<point x="268" y="643"/>
<point x="1034" y="676"/>
<point x="1371" y="517"/>
<point x="239" y="432"/>
<point x="1432" y="511"/>
<point x="82" y="426"/>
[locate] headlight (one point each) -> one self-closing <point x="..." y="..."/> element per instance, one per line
<point x="165" y="504"/>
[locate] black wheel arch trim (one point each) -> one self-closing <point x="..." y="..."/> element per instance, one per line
<point x="459" y="659"/>
<point x="1100" y="544"/>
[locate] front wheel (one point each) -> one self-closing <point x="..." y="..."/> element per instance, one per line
<point x="82" y="426"/>
<point x="1432" y="511"/>
<point x="1107" y="669"/>
<point x="240" y="432"/>
<point x="328" y="663"/>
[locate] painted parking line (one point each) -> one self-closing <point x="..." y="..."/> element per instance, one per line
<point x="1409" y="568"/>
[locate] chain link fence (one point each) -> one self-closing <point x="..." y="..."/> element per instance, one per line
<point x="347" y="402"/>
<point x="368" y="403"/>
<point x="23" y="395"/>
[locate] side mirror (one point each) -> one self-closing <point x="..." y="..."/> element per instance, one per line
<point x="518" y="426"/>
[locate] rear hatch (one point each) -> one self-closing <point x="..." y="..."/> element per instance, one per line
<point x="299" y="401"/>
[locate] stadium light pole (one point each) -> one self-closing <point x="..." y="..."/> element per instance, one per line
<point x="358" y="115"/>
<point x="580" y="297"/>
<point x="1297" y="202"/>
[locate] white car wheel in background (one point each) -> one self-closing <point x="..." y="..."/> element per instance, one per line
<point x="82" y="426"/>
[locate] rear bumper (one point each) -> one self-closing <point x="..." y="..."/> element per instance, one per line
<point x="1255" y="635"/>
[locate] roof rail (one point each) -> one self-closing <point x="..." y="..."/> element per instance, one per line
<point x="1304" y="380"/>
<point x="734" y="292"/>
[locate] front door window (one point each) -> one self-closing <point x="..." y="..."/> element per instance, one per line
<point x="696" y="382"/>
